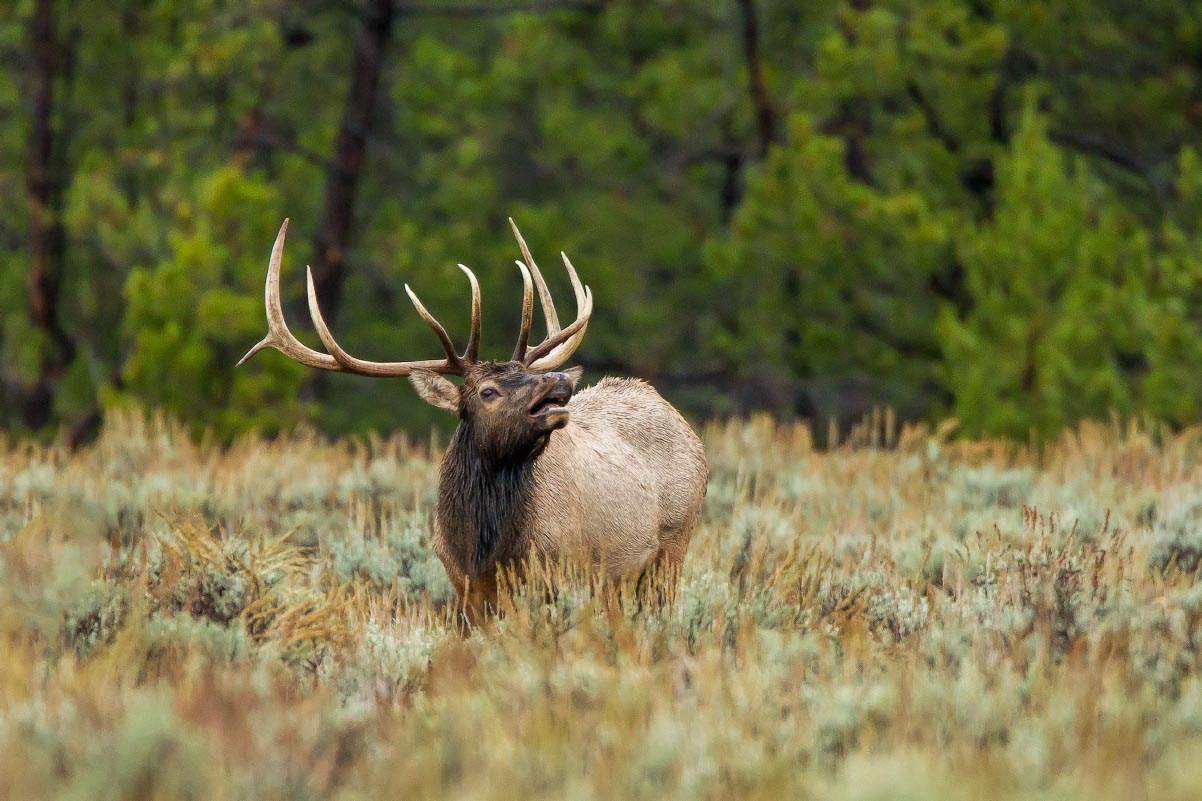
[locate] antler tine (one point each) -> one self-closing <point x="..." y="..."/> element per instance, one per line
<point x="544" y="294"/>
<point x="439" y="331"/>
<point x="558" y="348"/>
<point x="378" y="369"/>
<point x="519" y="353"/>
<point x="278" y="335"/>
<point x="282" y="339"/>
<point x="472" y="354"/>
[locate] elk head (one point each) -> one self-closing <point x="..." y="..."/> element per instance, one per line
<point x="508" y="406"/>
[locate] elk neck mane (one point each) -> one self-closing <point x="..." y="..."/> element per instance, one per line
<point x="485" y="501"/>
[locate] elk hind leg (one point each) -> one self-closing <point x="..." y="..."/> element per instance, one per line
<point x="658" y="583"/>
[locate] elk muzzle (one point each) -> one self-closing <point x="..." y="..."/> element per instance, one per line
<point x="549" y="411"/>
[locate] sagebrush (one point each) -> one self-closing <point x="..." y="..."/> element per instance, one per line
<point x="901" y="617"/>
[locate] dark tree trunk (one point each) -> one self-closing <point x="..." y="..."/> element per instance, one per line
<point x="45" y="182"/>
<point x="732" y="153"/>
<point x="342" y="178"/>
<point x="732" y="165"/>
<point x="765" y="113"/>
<point x="131" y="29"/>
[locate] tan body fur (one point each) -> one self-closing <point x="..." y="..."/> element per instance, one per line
<point x="620" y="486"/>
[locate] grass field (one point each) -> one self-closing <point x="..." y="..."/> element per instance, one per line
<point x="903" y="617"/>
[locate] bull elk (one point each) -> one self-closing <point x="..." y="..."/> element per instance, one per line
<point x="619" y="487"/>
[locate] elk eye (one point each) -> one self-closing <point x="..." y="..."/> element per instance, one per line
<point x="488" y="393"/>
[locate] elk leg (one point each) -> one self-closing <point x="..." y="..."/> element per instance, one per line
<point x="477" y="599"/>
<point x="669" y="565"/>
<point x="659" y="580"/>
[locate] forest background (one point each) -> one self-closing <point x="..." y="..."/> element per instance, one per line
<point x="984" y="209"/>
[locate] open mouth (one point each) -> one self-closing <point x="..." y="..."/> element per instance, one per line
<point x="552" y="403"/>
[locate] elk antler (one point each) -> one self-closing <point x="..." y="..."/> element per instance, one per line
<point x="560" y="344"/>
<point x="280" y="338"/>
<point x="547" y="355"/>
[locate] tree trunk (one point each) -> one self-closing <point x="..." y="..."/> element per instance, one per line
<point x="45" y="182"/>
<point x="765" y="114"/>
<point x="342" y="178"/>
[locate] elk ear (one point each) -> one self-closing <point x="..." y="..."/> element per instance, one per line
<point x="435" y="390"/>
<point x="574" y="375"/>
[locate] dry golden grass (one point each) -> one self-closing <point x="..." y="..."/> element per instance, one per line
<point x="904" y="617"/>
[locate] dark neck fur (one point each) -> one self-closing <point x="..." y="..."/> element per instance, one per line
<point x="484" y="502"/>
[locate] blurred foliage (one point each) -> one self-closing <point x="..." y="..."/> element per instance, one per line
<point x="989" y="209"/>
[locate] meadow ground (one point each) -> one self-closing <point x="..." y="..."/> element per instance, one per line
<point x="903" y="617"/>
